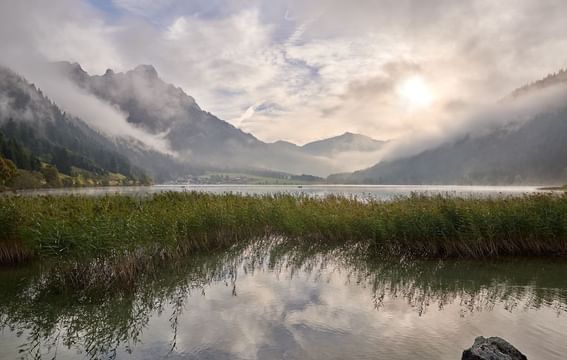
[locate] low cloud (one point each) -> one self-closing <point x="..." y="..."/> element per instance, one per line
<point x="478" y="120"/>
<point x="33" y="41"/>
<point x="332" y="66"/>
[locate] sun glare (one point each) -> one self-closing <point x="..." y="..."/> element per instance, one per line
<point x="415" y="93"/>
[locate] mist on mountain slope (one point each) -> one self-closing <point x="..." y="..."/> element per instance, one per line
<point x="347" y="151"/>
<point x="197" y="136"/>
<point x="518" y="140"/>
<point x="147" y="117"/>
<point x="197" y="150"/>
<point x="306" y="74"/>
<point x="98" y="114"/>
<point x="159" y="118"/>
<point x="35" y="130"/>
<point x="154" y="115"/>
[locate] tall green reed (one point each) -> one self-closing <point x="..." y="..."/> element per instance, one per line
<point x="174" y="224"/>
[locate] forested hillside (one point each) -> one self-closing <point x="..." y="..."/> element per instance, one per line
<point x="36" y="135"/>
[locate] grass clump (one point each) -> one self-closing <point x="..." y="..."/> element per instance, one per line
<point x="11" y="248"/>
<point x="175" y="224"/>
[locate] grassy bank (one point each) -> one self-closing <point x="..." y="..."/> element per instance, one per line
<point x="173" y="224"/>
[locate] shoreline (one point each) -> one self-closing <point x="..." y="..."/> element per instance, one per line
<point x="554" y="188"/>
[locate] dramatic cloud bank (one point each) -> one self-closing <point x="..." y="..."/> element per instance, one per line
<point x="303" y="70"/>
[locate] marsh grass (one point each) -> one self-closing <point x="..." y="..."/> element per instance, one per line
<point x="129" y="230"/>
<point x="12" y="250"/>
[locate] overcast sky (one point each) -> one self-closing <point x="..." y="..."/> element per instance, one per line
<point x="302" y="70"/>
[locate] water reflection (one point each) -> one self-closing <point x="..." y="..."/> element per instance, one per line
<point x="268" y="302"/>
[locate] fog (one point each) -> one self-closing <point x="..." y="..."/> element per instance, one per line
<point x="300" y="71"/>
<point x="96" y="113"/>
<point x="22" y="53"/>
<point x="475" y="121"/>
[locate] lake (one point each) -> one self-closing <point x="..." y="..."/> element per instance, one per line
<point x="379" y="192"/>
<point x="275" y="299"/>
<point x="291" y="303"/>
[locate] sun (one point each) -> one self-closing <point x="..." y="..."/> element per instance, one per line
<point x="415" y="93"/>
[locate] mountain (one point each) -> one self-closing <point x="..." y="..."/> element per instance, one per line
<point x="200" y="139"/>
<point x="334" y="146"/>
<point x="34" y="132"/>
<point x="347" y="142"/>
<point x="31" y="124"/>
<point x="533" y="152"/>
<point x="286" y="145"/>
<point x="549" y="81"/>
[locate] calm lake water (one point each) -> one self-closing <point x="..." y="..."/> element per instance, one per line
<point x="273" y="302"/>
<point x="276" y="304"/>
<point x="381" y="192"/>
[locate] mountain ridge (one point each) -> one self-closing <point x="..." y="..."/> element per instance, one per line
<point x="550" y="80"/>
<point x="347" y="141"/>
<point x="196" y="135"/>
<point x="526" y="153"/>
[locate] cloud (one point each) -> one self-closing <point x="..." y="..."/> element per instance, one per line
<point x="146" y="8"/>
<point x="245" y="116"/>
<point x="327" y="64"/>
<point x="478" y="120"/>
<point x="98" y="114"/>
<point x="35" y="35"/>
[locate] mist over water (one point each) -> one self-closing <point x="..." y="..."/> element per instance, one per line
<point x="362" y="192"/>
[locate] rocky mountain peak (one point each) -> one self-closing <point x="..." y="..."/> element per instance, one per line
<point x="147" y="71"/>
<point x="72" y="70"/>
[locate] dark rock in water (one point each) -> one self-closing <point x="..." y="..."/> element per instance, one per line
<point x="492" y="348"/>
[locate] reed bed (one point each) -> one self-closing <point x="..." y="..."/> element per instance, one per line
<point x="175" y="224"/>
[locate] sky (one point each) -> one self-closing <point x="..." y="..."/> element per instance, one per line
<point x="304" y="70"/>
